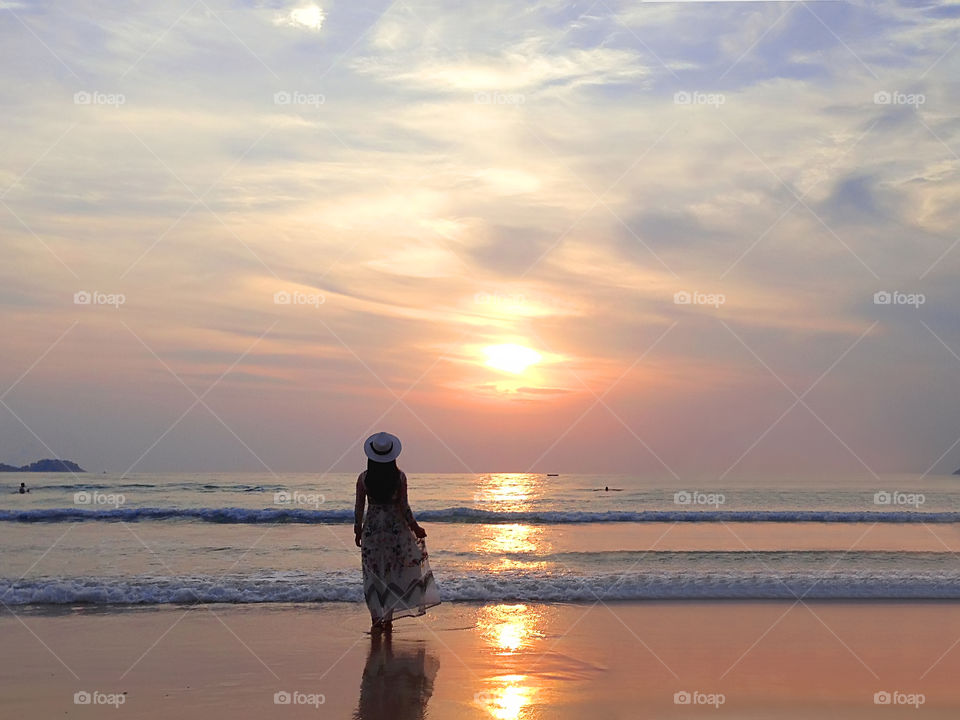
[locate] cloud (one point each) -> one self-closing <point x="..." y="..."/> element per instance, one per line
<point x="855" y="199"/>
<point x="527" y="67"/>
<point x="310" y="17"/>
<point x="412" y="257"/>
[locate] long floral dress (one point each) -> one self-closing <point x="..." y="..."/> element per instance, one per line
<point x="397" y="580"/>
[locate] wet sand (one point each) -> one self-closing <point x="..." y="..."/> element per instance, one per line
<point x="622" y="660"/>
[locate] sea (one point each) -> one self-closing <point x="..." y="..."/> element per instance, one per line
<point x="155" y="539"/>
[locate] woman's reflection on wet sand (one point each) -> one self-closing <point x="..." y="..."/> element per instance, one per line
<point x="397" y="680"/>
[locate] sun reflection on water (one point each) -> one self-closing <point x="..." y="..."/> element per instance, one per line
<point x="511" y="492"/>
<point x="514" y="538"/>
<point x="507" y="698"/>
<point x="509" y="630"/>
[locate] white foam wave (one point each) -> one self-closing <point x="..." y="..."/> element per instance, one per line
<point x="344" y="586"/>
<point x="473" y="515"/>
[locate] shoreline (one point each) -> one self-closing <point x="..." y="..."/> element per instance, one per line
<point x="80" y="609"/>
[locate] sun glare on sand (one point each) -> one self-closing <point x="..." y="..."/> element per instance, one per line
<point x="510" y="358"/>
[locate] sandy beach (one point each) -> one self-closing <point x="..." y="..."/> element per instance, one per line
<point x="464" y="660"/>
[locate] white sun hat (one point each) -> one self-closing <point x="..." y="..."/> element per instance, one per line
<point x="382" y="447"/>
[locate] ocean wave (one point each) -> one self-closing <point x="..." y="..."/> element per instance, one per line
<point x="233" y="515"/>
<point x="213" y="515"/>
<point x="342" y="586"/>
<point x="165" y="487"/>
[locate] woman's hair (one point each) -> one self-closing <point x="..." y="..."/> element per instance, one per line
<point x="382" y="480"/>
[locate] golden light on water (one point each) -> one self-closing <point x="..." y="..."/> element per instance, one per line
<point x="511" y="492"/>
<point x="510" y="358"/>
<point x="509" y="630"/>
<point x="516" y="538"/>
<point x="507" y="698"/>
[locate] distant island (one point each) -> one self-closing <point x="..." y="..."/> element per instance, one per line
<point x="47" y="465"/>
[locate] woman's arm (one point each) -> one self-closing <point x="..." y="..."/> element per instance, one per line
<point x="405" y="506"/>
<point x="358" y="508"/>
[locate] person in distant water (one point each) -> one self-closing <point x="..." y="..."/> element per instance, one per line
<point x="397" y="580"/>
<point x="23" y="488"/>
<point x="607" y="488"/>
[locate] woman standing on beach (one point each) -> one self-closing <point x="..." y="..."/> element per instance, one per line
<point x="397" y="581"/>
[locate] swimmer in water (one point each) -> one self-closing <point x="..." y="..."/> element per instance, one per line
<point x="23" y="488"/>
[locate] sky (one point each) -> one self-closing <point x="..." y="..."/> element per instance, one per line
<point x="666" y="238"/>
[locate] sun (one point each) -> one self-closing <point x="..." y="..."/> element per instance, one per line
<point x="510" y="358"/>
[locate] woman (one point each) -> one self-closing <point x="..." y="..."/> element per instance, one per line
<point x="397" y="581"/>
